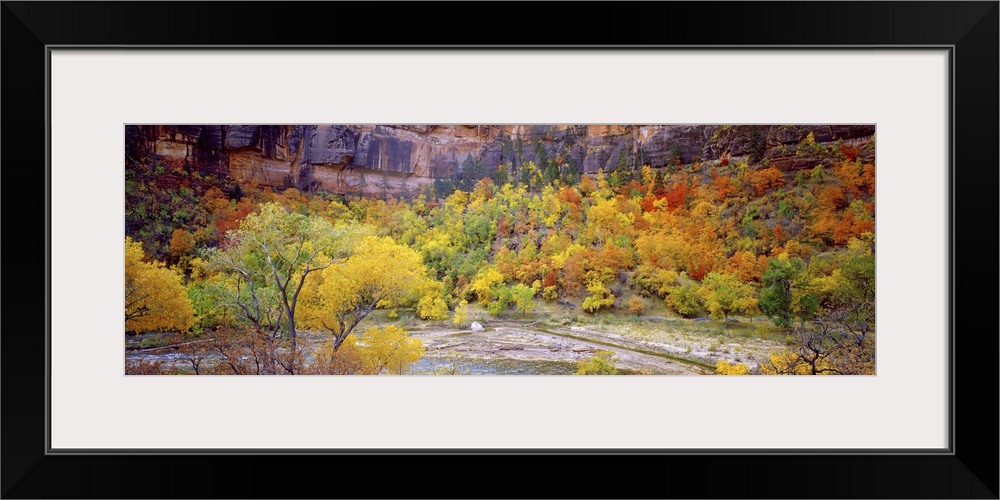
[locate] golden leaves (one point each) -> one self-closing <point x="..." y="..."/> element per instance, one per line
<point x="388" y="349"/>
<point x="723" y="367"/>
<point x="155" y="299"/>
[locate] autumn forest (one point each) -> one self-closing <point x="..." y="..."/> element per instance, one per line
<point x="499" y="250"/>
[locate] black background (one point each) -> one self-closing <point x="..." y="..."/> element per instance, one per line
<point x="972" y="472"/>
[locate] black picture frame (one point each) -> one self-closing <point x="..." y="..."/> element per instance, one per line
<point x="968" y="470"/>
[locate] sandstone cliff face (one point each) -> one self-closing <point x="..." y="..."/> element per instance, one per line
<point x="343" y="158"/>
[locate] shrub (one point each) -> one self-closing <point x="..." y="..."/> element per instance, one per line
<point x="652" y="281"/>
<point x="724" y="368"/>
<point x="636" y="306"/>
<point x="601" y="363"/>
<point x="504" y="298"/>
<point x="850" y="152"/>
<point x="685" y="299"/>
<point x="523" y="298"/>
<point x="461" y="313"/>
<point x="765" y="179"/>
<point x="484" y="282"/>
<point x="432" y="307"/>
<point x="600" y="297"/>
<point x="145" y="367"/>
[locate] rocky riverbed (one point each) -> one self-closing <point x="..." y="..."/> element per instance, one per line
<point x="654" y="347"/>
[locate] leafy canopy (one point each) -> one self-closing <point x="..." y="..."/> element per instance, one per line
<point x="155" y="299"/>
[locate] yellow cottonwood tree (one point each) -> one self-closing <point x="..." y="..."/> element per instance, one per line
<point x="277" y="249"/>
<point x="378" y="350"/>
<point x="155" y="299"/>
<point x="379" y="271"/>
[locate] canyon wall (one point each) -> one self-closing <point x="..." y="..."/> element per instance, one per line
<point x="348" y="158"/>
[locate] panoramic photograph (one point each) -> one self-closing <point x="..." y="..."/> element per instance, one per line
<point x="525" y="249"/>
